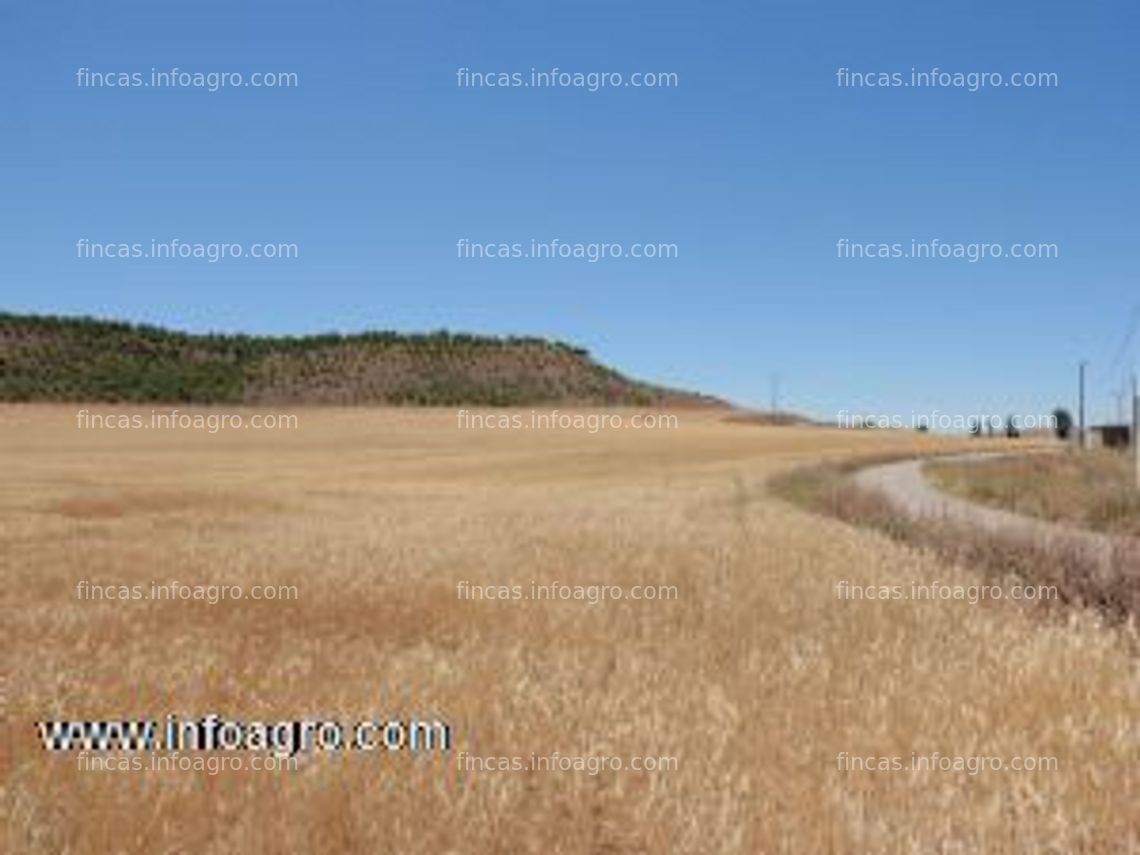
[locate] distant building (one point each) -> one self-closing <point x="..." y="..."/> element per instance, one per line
<point x="1110" y="436"/>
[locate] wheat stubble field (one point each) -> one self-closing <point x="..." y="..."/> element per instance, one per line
<point x="755" y="678"/>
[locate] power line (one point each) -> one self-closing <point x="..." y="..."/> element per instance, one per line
<point x="1081" y="433"/>
<point x="1130" y="331"/>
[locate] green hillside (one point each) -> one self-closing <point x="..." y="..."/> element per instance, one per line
<point x="46" y="358"/>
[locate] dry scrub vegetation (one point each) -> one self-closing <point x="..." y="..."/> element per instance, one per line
<point x="1104" y="578"/>
<point x="1094" y="490"/>
<point x="756" y="677"/>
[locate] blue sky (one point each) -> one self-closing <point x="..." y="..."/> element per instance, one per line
<point x="754" y="165"/>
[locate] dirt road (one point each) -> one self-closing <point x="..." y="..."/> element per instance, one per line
<point x="906" y="485"/>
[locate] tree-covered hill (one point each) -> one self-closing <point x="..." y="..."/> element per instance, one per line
<point x="47" y="358"/>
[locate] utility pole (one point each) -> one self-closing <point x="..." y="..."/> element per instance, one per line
<point x="1136" y="429"/>
<point x="775" y="392"/>
<point x="1081" y="435"/>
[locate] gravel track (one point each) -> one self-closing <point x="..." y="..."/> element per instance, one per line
<point x="907" y="488"/>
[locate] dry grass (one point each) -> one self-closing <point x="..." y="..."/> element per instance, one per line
<point x="755" y="678"/>
<point x="1094" y="490"/>
<point x="1104" y="580"/>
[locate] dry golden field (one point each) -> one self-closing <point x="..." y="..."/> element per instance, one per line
<point x="755" y="677"/>
<point x="1094" y="490"/>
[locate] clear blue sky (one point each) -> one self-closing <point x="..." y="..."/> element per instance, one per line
<point x="754" y="166"/>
